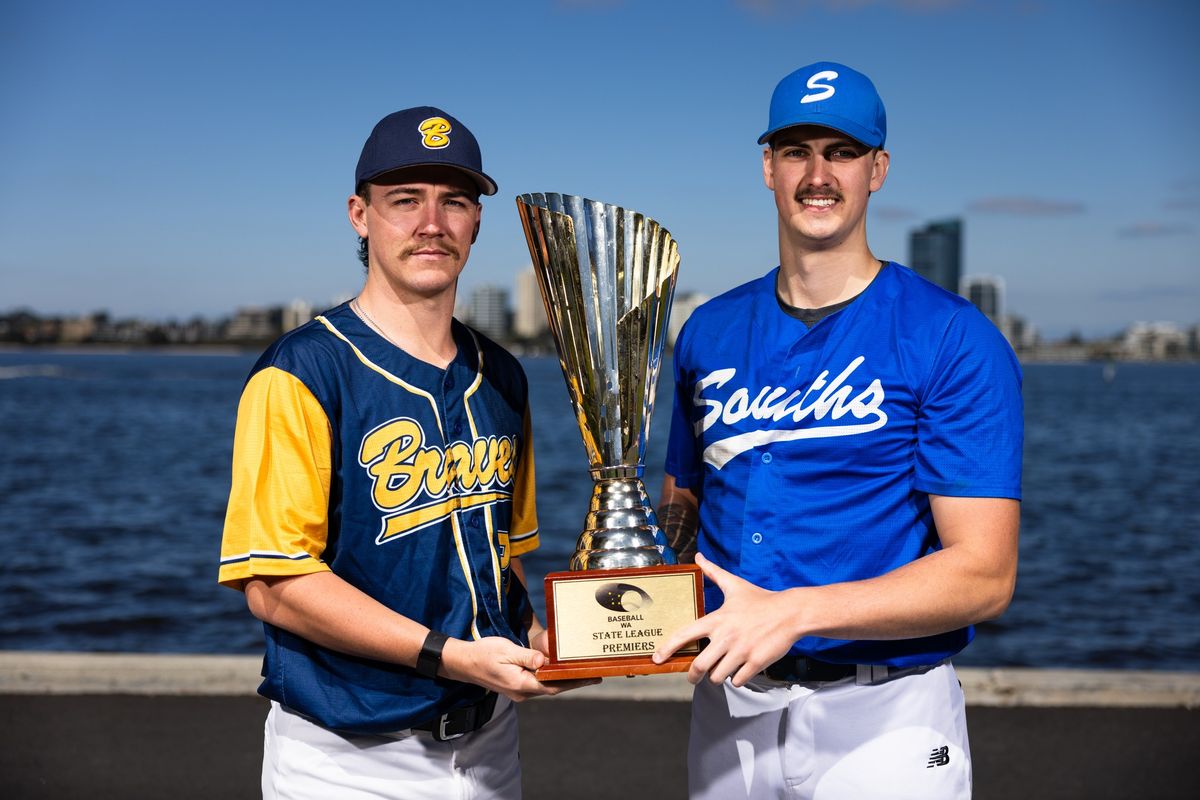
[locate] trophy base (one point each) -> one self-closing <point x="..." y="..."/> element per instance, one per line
<point x="630" y="667"/>
<point x="607" y="622"/>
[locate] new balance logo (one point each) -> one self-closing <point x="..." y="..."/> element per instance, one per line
<point x="940" y="757"/>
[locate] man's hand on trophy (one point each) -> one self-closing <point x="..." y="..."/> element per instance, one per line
<point x="540" y="640"/>
<point x="497" y="664"/>
<point x="749" y="631"/>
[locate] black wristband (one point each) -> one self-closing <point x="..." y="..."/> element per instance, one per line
<point x="430" y="657"/>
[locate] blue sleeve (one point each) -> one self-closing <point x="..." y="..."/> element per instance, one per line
<point x="683" y="450"/>
<point x="970" y="427"/>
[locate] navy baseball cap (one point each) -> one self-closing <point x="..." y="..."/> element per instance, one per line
<point x="417" y="137"/>
<point x="831" y="95"/>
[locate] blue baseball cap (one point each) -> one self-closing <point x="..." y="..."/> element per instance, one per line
<point x="418" y="137"/>
<point x="831" y="95"/>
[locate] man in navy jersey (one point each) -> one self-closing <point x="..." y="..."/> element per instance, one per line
<point x="382" y="494"/>
<point x="845" y="464"/>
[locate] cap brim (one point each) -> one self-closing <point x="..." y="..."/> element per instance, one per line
<point x="855" y="132"/>
<point x="486" y="185"/>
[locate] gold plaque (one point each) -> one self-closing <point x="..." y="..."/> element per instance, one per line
<point x="608" y="622"/>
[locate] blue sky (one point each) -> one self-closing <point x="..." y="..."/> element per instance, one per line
<point x="165" y="159"/>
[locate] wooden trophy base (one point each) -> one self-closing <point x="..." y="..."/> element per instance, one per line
<point x="607" y="622"/>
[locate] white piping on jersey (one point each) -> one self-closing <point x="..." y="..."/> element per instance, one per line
<point x="274" y="554"/>
<point x="488" y="521"/>
<point x="462" y="554"/>
<point x="771" y="404"/>
<point x="466" y="568"/>
<point x="463" y="561"/>
<point x="513" y="539"/>
<point x="372" y="365"/>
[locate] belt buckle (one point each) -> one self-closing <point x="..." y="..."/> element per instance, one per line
<point x="461" y="721"/>
<point x="441" y="735"/>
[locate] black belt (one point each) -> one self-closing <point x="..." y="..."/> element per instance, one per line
<point x="461" y="721"/>
<point x="802" y="669"/>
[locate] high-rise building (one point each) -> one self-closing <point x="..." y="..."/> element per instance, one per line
<point x="935" y="253"/>
<point x="487" y="310"/>
<point x="986" y="292"/>
<point x="529" y="316"/>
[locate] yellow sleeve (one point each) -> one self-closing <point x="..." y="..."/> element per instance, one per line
<point x="277" y="520"/>
<point x="523" y="536"/>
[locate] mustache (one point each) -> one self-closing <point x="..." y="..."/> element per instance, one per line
<point x="815" y="192"/>
<point x="444" y="249"/>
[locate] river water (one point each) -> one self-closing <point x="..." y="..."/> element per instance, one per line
<point x="114" y="470"/>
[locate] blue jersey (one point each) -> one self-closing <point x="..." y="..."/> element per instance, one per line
<point x="814" y="451"/>
<point x="412" y="483"/>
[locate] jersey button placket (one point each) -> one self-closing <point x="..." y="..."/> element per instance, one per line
<point x="454" y="417"/>
<point x="759" y="489"/>
<point x="757" y="537"/>
<point x="454" y="420"/>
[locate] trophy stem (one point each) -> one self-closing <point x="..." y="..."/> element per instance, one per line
<point x="620" y="472"/>
<point x="621" y="529"/>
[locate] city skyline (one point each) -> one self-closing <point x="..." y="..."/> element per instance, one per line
<point x="169" y="160"/>
<point x="934" y="252"/>
<point x="522" y="324"/>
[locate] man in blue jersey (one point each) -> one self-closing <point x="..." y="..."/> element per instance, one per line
<point x="845" y="463"/>
<point x="382" y="494"/>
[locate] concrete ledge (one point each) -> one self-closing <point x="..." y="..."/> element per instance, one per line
<point x="27" y="672"/>
<point x="1080" y="687"/>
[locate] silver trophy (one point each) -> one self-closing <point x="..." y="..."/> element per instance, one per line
<point x="607" y="277"/>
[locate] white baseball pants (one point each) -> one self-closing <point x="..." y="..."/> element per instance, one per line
<point x="899" y="739"/>
<point x="305" y="761"/>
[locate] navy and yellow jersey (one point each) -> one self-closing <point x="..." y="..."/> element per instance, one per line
<point x="412" y="483"/>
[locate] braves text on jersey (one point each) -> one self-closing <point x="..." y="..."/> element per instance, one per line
<point x="412" y="483"/>
<point x="814" y="451"/>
